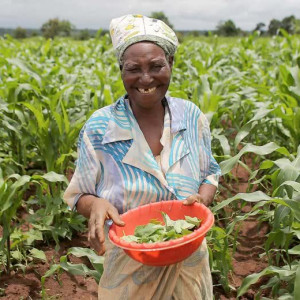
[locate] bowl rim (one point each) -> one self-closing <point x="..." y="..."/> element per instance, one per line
<point x="146" y="247"/>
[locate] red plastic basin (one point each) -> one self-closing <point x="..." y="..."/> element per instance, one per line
<point x="162" y="253"/>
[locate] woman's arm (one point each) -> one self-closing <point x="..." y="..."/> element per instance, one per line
<point x="81" y="192"/>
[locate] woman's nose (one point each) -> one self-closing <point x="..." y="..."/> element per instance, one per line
<point x="146" y="78"/>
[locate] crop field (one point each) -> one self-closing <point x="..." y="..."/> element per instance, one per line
<point x="249" y="88"/>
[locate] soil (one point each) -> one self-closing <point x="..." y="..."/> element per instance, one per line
<point x="28" y="285"/>
<point x="246" y="261"/>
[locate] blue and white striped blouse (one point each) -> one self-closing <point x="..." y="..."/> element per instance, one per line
<point x="115" y="161"/>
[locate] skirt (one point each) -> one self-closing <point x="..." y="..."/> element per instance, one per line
<point x="124" y="278"/>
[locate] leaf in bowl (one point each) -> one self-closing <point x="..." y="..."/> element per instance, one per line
<point x="192" y="220"/>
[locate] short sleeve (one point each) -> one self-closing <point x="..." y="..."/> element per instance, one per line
<point x="87" y="171"/>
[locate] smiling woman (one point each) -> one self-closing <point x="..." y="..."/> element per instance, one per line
<point x="147" y="147"/>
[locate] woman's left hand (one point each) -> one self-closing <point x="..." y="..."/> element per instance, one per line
<point x="194" y="198"/>
<point x="205" y="195"/>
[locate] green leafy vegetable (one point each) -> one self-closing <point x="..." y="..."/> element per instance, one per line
<point x="155" y="231"/>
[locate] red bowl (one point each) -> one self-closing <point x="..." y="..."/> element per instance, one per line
<point x="162" y="253"/>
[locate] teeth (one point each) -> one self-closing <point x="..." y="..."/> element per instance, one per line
<point x="147" y="91"/>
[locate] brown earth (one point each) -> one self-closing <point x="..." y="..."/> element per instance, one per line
<point x="246" y="261"/>
<point x="28" y="285"/>
<point x="251" y="237"/>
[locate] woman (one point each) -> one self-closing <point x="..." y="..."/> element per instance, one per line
<point x="146" y="147"/>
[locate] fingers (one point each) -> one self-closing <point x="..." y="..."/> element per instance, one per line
<point x="98" y="243"/>
<point x="96" y="234"/>
<point x="102" y="250"/>
<point x="96" y="239"/>
<point x="192" y="199"/>
<point x="114" y="215"/>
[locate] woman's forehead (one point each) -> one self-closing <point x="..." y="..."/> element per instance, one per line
<point x="145" y="50"/>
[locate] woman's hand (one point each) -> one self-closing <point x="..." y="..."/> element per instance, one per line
<point x="192" y="199"/>
<point x="98" y="210"/>
<point x="205" y="195"/>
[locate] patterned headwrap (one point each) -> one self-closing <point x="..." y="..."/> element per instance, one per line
<point x="131" y="29"/>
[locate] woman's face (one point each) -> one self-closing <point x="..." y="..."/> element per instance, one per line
<point x="146" y="74"/>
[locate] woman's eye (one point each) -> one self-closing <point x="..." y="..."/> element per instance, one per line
<point x="156" y="68"/>
<point x="133" y="70"/>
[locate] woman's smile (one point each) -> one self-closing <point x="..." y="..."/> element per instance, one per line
<point x="146" y="91"/>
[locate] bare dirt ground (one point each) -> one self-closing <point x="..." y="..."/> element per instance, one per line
<point x="28" y="285"/>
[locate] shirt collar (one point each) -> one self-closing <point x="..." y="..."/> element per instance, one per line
<point x="121" y="121"/>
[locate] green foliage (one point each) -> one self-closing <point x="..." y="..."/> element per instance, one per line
<point x="52" y="218"/>
<point x="274" y="26"/>
<point x="282" y="210"/>
<point x="249" y="89"/>
<point x="297" y="26"/>
<point x="289" y="24"/>
<point x="259" y="27"/>
<point x="155" y="231"/>
<point x="76" y="269"/>
<point x="22" y="252"/>
<point x="220" y="258"/>
<point x="11" y="192"/>
<point x="20" y="33"/>
<point x="55" y="27"/>
<point x="286" y="273"/>
<point x="84" y="35"/>
<point x="227" y="28"/>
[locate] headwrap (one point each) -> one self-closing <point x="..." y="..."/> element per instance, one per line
<point x="131" y="29"/>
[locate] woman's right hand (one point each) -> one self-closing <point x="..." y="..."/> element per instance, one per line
<point x="98" y="210"/>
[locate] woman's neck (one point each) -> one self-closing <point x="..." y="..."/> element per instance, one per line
<point x="153" y="114"/>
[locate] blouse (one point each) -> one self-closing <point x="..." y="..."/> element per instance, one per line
<point x="115" y="161"/>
